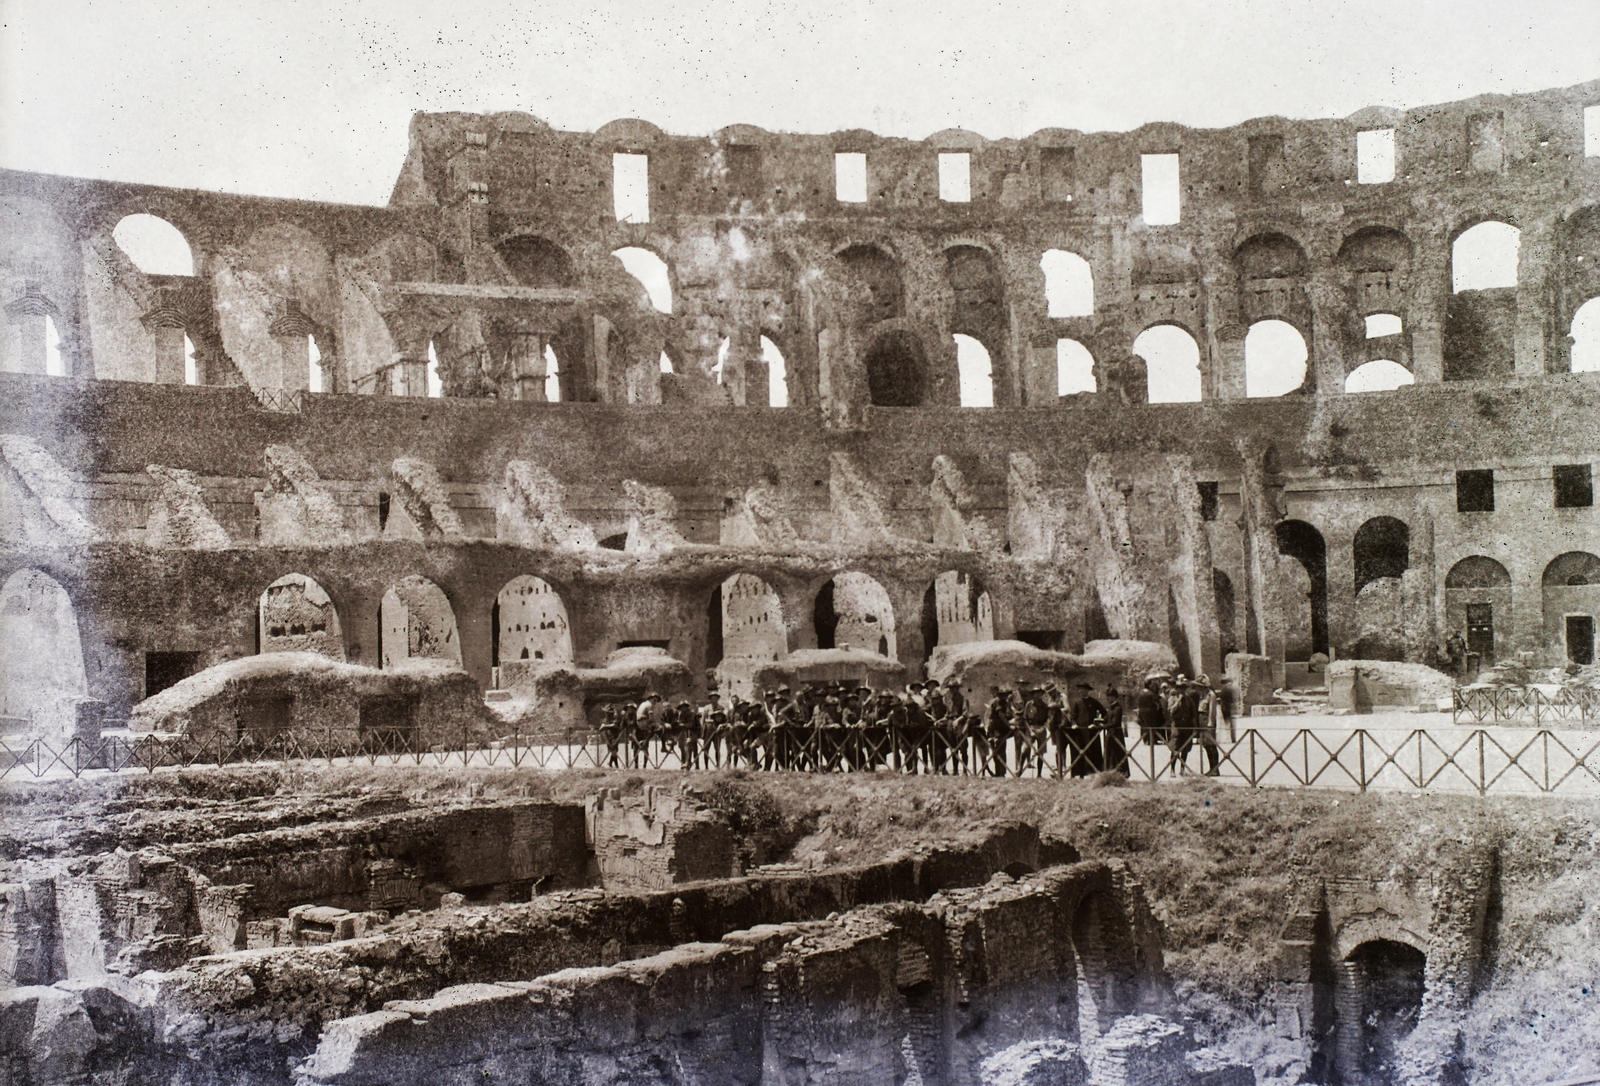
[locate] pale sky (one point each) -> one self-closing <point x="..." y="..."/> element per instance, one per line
<point x="312" y="99"/>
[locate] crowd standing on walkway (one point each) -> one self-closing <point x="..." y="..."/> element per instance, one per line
<point x="1024" y="729"/>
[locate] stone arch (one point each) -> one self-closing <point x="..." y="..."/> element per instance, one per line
<point x="1378" y="1000"/>
<point x="536" y="261"/>
<point x="530" y="623"/>
<point x="1375" y="248"/>
<point x="1382" y="548"/>
<point x="1585" y="333"/>
<point x="1307" y="629"/>
<point x="1275" y="359"/>
<point x="745" y="619"/>
<point x="956" y="609"/>
<point x="154" y="244"/>
<point x="1068" y="284"/>
<point x="1101" y="947"/>
<point x="1484" y="256"/>
<point x="652" y="272"/>
<point x="415" y="619"/>
<point x="1074" y="368"/>
<point x="42" y="675"/>
<point x="979" y="309"/>
<point x="1172" y="363"/>
<point x="897" y="369"/>
<point x="1571" y="589"/>
<point x="295" y="614"/>
<point x="1477" y="603"/>
<point x="1379" y="375"/>
<point x="853" y="610"/>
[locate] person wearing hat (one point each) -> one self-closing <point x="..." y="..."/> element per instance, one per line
<point x="1088" y="718"/>
<point x="1151" y="713"/>
<point x="1206" y="723"/>
<point x="1116" y="734"/>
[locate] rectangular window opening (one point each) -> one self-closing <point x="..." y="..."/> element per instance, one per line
<point x="1375" y="156"/>
<point x="850" y="177"/>
<point x="955" y="177"/>
<point x="1208" y="500"/>
<point x="630" y="187"/>
<point x="1475" y="491"/>
<point x="1058" y="167"/>
<point x="1574" y="484"/>
<point x="744" y="170"/>
<point x="1161" y="203"/>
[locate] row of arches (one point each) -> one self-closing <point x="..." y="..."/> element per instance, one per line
<point x="1485" y="257"/>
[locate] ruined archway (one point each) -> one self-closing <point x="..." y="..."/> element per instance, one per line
<point x="1068" y="284"/>
<point x="1585" y="332"/>
<point x="42" y="676"/>
<point x="873" y="284"/>
<point x="1379" y="375"/>
<point x="854" y="611"/>
<point x="956" y="609"/>
<point x="1571" y="588"/>
<point x="155" y="246"/>
<point x="897" y="374"/>
<point x="415" y="620"/>
<point x="294" y="614"/>
<point x="1307" y="618"/>
<point x="1378" y="1000"/>
<point x="1275" y="356"/>
<point x="1172" y="363"/>
<point x="1382" y="548"/>
<point x="1477" y="600"/>
<point x="530" y="623"/>
<point x="537" y="262"/>
<point x="745" y="619"/>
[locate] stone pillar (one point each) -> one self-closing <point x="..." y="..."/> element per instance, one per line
<point x="170" y="362"/>
<point x="1341" y="565"/>
<point x="1227" y="373"/>
<point x="1329" y="303"/>
<point x="528" y="367"/>
<point x="1259" y="518"/>
<point x="28" y="329"/>
<point x="744" y="348"/>
<point x="1040" y="384"/>
<point x="1193" y="586"/>
<point x="1535" y="257"/>
<point x="1425" y="317"/>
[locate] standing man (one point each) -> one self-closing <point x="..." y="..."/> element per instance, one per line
<point x="1116" y="733"/>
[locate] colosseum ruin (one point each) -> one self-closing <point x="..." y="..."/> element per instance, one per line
<point x="335" y="537"/>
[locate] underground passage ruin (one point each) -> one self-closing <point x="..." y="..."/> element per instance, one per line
<point x="580" y="415"/>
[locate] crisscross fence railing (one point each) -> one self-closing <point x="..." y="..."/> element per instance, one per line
<point x="1499" y="760"/>
<point x="1569" y="705"/>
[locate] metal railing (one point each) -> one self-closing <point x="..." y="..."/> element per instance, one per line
<point x="1478" y="760"/>
<point x="1525" y="705"/>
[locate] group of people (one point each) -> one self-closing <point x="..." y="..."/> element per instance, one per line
<point x="928" y="727"/>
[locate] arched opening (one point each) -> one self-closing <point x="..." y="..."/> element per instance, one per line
<point x="1379" y="325"/>
<point x="872" y="281"/>
<point x="155" y="246"/>
<point x="415" y="620"/>
<point x="652" y="273"/>
<point x="854" y="611"/>
<point x="976" y="372"/>
<point x="42" y="676"/>
<point x="1074" y="368"/>
<point x="896" y="373"/>
<point x="315" y="381"/>
<point x="1274" y="359"/>
<point x="1381" y="984"/>
<point x="745" y="620"/>
<point x="955" y="610"/>
<point x="1375" y="249"/>
<point x="191" y="365"/>
<point x="1477" y="594"/>
<point x="1585" y="333"/>
<point x="1572" y="606"/>
<point x="1222" y="589"/>
<point x="777" y="374"/>
<point x="54" y="366"/>
<point x="630" y="187"/>
<point x="1172" y="364"/>
<point x="1270" y="256"/>
<point x="1305" y="601"/>
<point x="1068" y="284"/>
<point x="552" y="375"/>
<point x="530" y="623"/>
<point x="294" y="614"/>
<point x="538" y="262"/>
<point x="1382" y="548"/>
<point x="1484" y="257"/>
<point x="1379" y="375"/>
<point x="979" y="310"/>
